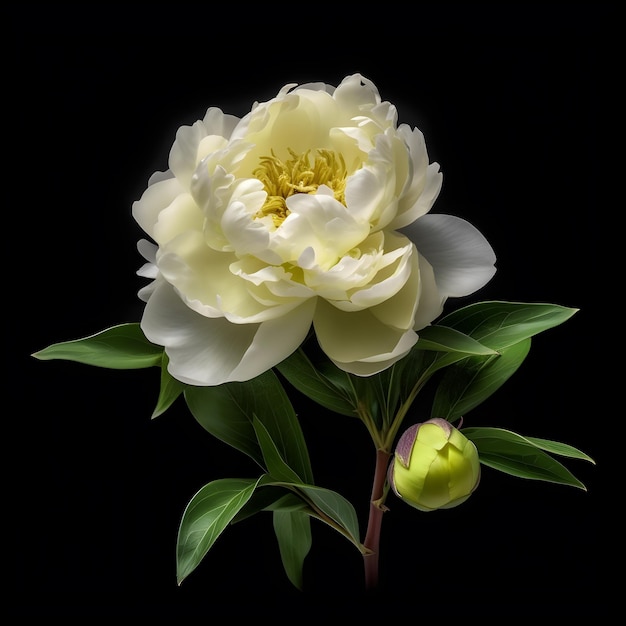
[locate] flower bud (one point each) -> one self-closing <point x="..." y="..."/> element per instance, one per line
<point x="434" y="466"/>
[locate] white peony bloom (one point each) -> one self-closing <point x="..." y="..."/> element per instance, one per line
<point x="312" y="209"/>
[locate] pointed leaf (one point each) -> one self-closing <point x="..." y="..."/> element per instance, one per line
<point x="293" y="532"/>
<point x="226" y="411"/>
<point x="444" y="339"/>
<point x="208" y="513"/>
<point x="471" y="381"/>
<point x="276" y="466"/>
<point x="514" y="454"/>
<point x="562" y="449"/>
<point x="270" y="498"/>
<point x="334" y="508"/>
<point x="310" y="380"/>
<point x="501" y="324"/>
<point x="170" y="390"/>
<point x="119" y="347"/>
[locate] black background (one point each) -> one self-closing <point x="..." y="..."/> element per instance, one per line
<point x="514" y="103"/>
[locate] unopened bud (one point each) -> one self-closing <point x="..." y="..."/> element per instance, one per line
<point x="434" y="466"/>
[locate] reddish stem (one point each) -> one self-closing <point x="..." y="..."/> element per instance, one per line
<point x="372" y="537"/>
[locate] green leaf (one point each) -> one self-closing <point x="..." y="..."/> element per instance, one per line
<point x="471" y="381"/>
<point x="315" y="384"/>
<point x="562" y="449"/>
<point x="327" y="505"/>
<point x="208" y="513"/>
<point x="335" y="506"/>
<point x="444" y="339"/>
<point x="501" y="324"/>
<point x="293" y="532"/>
<point x="276" y="466"/>
<point x="119" y="347"/>
<point x="227" y="411"/>
<point x="170" y="389"/>
<point x="270" y="498"/>
<point x="289" y="502"/>
<point x="514" y="454"/>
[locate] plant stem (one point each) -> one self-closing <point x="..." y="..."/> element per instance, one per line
<point x="377" y="508"/>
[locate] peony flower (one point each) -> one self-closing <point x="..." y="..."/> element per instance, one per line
<point x="311" y="211"/>
<point x="435" y="466"/>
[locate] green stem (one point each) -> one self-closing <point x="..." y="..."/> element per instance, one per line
<point x="377" y="508"/>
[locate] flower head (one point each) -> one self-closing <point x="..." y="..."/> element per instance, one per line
<point x="434" y="466"/>
<point x="311" y="211"/>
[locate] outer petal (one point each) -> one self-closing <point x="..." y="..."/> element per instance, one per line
<point x="462" y="259"/>
<point x="431" y="301"/>
<point x="358" y="342"/>
<point x="211" y="351"/>
<point x="155" y="198"/>
<point x="186" y="153"/>
<point x="424" y="181"/>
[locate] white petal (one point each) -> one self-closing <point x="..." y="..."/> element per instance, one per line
<point x="148" y="270"/>
<point x="462" y="259"/>
<point x="320" y="222"/>
<point x="147" y="250"/>
<point x="183" y="156"/>
<point x="212" y="283"/>
<point x="203" y="278"/>
<point x="355" y="92"/>
<point x="158" y="176"/>
<point x="154" y="199"/>
<point x="392" y="273"/>
<point x="211" y="351"/>
<point x="431" y="301"/>
<point x="365" y="190"/>
<point x="399" y="310"/>
<point x="218" y="123"/>
<point x="275" y="340"/>
<point x="359" y="342"/>
<point x="180" y="216"/>
<point x="245" y="234"/>
<point x="194" y="142"/>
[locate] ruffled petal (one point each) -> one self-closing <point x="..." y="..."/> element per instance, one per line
<point x="462" y="259"/>
<point x="356" y="92"/>
<point x="219" y="123"/>
<point x="155" y="198"/>
<point x="223" y="290"/>
<point x="399" y="310"/>
<point x="194" y="142"/>
<point x="392" y="272"/>
<point x="184" y="151"/>
<point x="321" y="223"/>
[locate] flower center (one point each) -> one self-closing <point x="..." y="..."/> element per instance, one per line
<point x="282" y="179"/>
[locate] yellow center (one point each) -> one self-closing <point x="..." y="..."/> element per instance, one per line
<point x="297" y="175"/>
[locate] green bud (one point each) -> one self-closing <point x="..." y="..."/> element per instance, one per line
<point x="434" y="467"/>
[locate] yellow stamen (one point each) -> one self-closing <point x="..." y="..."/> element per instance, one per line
<point x="297" y="175"/>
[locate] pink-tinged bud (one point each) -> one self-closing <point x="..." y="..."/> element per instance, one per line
<point x="434" y="466"/>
